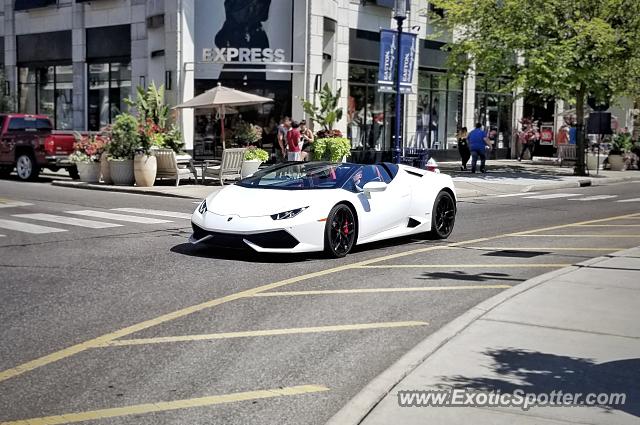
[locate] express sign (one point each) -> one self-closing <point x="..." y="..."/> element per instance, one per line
<point x="232" y="54"/>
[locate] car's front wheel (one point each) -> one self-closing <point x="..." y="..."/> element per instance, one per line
<point x="443" y="216"/>
<point x="340" y="231"/>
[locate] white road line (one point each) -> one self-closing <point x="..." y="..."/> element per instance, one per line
<point x="119" y="217"/>
<point x="154" y="212"/>
<point x="7" y="203"/>
<point x="19" y="226"/>
<point x="629" y="200"/>
<point x="72" y="221"/>
<point x="594" y="198"/>
<point x="552" y="196"/>
<point x="509" y="195"/>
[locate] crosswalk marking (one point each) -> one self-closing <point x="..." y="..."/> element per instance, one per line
<point x="19" y="226"/>
<point x="8" y="203"/>
<point x="72" y="221"/>
<point x="552" y="196"/>
<point x="509" y="195"/>
<point x="630" y="200"/>
<point x="594" y="198"/>
<point x="154" y="212"/>
<point x="119" y="217"/>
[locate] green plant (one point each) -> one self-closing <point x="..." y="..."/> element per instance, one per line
<point x="247" y="133"/>
<point x="124" y="137"/>
<point x="149" y="104"/>
<point x="88" y="148"/>
<point x="622" y="143"/>
<point x="328" y="113"/>
<point x="331" y="149"/>
<point x="253" y="154"/>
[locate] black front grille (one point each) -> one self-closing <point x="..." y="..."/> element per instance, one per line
<point x="275" y="239"/>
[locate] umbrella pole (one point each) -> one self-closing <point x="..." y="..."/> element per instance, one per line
<point x="222" y="127"/>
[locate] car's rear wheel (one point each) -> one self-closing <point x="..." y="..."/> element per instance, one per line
<point x="26" y="167"/>
<point x="443" y="216"/>
<point x="340" y="231"/>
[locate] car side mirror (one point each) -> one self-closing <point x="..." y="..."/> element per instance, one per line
<point x="374" y="187"/>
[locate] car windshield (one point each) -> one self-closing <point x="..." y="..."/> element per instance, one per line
<point x="301" y="175"/>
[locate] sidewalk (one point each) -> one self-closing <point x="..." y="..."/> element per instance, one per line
<point x="503" y="177"/>
<point x="574" y="330"/>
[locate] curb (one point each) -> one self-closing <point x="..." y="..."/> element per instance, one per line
<point x="122" y="189"/>
<point x="359" y="407"/>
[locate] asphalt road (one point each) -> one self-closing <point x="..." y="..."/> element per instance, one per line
<point x="85" y="313"/>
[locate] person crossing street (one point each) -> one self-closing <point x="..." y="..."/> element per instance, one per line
<point x="478" y="145"/>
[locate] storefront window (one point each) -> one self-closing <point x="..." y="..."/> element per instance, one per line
<point x="494" y="109"/>
<point x="371" y="117"/>
<point x="109" y="86"/>
<point x="439" y="110"/>
<point x="49" y="91"/>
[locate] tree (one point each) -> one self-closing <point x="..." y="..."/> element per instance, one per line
<point x="565" y="49"/>
<point x="328" y="112"/>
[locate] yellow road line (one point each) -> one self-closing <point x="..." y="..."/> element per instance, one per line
<point x="578" y="236"/>
<point x="544" y="248"/>
<point x="378" y="290"/>
<point x="266" y="332"/>
<point x="83" y="346"/>
<point x="463" y="266"/>
<point x="164" y="406"/>
<point x="564" y="226"/>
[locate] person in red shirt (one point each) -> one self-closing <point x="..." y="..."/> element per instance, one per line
<point x="294" y="142"/>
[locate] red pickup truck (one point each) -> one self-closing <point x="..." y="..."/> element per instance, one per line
<point x="28" y="144"/>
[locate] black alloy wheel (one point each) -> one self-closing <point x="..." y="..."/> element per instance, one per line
<point x="444" y="215"/>
<point x="340" y="231"/>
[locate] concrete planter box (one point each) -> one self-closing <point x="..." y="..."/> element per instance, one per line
<point x="145" y="168"/>
<point x="89" y="171"/>
<point x="122" y="172"/>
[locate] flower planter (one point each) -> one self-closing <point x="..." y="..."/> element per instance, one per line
<point x="145" y="168"/>
<point x="104" y="169"/>
<point x="249" y="167"/>
<point x="89" y="171"/>
<point x="595" y="163"/>
<point x="617" y="162"/>
<point x="122" y="172"/>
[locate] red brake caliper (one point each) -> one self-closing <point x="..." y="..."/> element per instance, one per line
<point x="345" y="227"/>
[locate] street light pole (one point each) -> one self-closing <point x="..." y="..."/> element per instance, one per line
<point x="399" y="14"/>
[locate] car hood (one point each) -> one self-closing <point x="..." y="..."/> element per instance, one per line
<point x="255" y="202"/>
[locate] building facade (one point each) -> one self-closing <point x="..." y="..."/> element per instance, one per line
<point x="78" y="60"/>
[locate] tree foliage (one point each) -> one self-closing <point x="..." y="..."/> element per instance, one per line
<point x="566" y="49"/>
<point x="328" y="113"/>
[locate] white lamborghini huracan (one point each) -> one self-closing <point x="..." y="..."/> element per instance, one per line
<point x="323" y="206"/>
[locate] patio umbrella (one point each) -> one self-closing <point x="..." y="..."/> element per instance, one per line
<point x="221" y="97"/>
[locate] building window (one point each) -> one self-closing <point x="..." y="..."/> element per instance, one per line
<point x="47" y="90"/>
<point x="439" y="110"/>
<point x="494" y="109"/>
<point x="109" y="86"/>
<point x="371" y="114"/>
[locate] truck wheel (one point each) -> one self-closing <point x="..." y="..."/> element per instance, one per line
<point x="26" y="167"/>
<point x="73" y="173"/>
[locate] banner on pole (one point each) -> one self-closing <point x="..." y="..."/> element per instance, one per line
<point x="387" y="67"/>
<point x="387" y="61"/>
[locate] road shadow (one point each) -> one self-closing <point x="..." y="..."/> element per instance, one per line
<point x="245" y="255"/>
<point x="40" y="179"/>
<point x="542" y="373"/>
<point x="469" y="277"/>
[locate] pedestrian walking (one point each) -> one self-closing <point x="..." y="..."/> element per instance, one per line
<point x="528" y="137"/>
<point x="294" y="142"/>
<point x="478" y="145"/>
<point x="463" y="148"/>
<point x="307" y="139"/>
<point x="281" y="149"/>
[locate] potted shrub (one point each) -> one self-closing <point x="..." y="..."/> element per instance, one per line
<point x="86" y="156"/>
<point x="329" y="143"/>
<point x="124" y="141"/>
<point x="145" y="165"/>
<point x="253" y="157"/>
<point x="105" y="135"/>
<point x="621" y="145"/>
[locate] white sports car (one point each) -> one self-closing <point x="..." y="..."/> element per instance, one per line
<point x="323" y="206"/>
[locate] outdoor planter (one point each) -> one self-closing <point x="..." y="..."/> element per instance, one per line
<point x="594" y="163"/>
<point x="145" y="168"/>
<point x="104" y="169"/>
<point x="121" y="172"/>
<point x="89" y="171"/>
<point x="249" y="166"/>
<point x="616" y="162"/>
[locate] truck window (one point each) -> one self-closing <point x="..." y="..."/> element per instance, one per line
<point x="43" y="124"/>
<point x="17" y="124"/>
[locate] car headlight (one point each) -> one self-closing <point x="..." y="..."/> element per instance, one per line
<point x="288" y="214"/>
<point x="203" y="207"/>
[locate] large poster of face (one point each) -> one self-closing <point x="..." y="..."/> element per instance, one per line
<point x="242" y="38"/>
